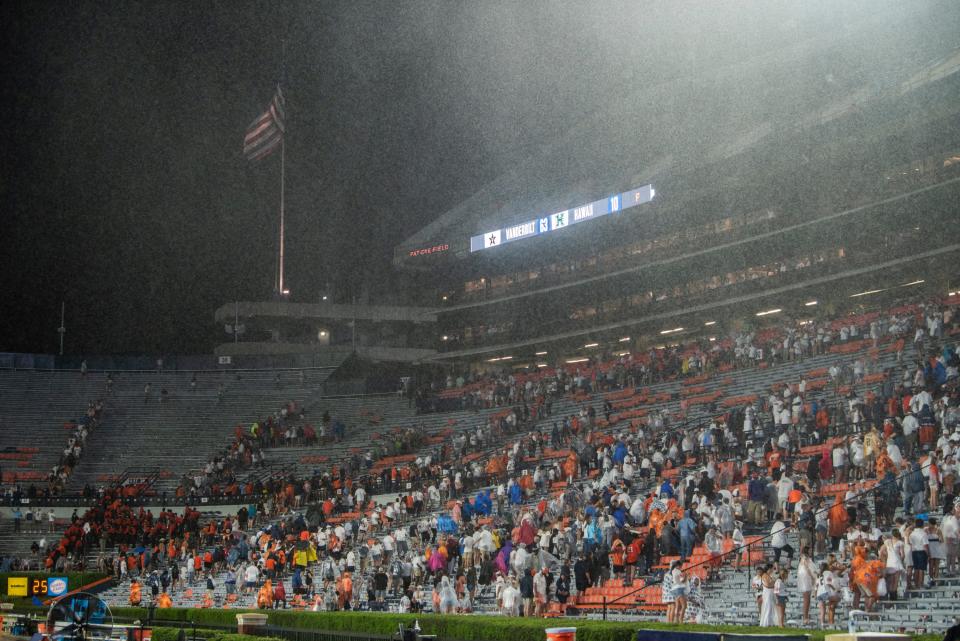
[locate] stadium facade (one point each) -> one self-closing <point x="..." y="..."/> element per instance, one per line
<point x="842" y="181"/>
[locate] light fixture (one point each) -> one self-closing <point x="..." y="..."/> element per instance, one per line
<point x="542" y="365"/>
<point x="323" y="333"/>
<point x="709" y="323"/>
<point x="592" y="345"/>
<point x="577" y="360"/>
<point x="493" y="360"/>
<point x="286" y="292"/>
<point x="444" y="337"/>
<point x="622" y="353"/>
<point x="671" y="331"/>
<point x="770" y="311"/>
<point x="541" y="353"/>
<point x="916" y="282"/>
<point x="444" y="297"/>
<point x="867" y="293"/>
<point x="506" y="358"/>
<point x="324" y="297"/>
<point x="810" y="303"/>
<point x="712" y="339"/>
<point x="624" y="339"/>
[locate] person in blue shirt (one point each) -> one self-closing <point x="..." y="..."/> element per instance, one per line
<point x="592" y="536"/>
<point x="756" y="499"/>
<point x="666" y="490"/>
<point x="620" y="453"/>
<point x="516" y="494"/>
<point x="620" y="515"/>
<point x="483" y="503"/>
<point x="687" y="528"/>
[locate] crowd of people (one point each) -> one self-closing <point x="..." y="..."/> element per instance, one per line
<point x="536" y="509"/>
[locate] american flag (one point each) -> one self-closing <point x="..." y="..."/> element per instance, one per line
<point x="265" y="133"/>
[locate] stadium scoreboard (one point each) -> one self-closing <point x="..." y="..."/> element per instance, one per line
<point x="24" y="586"/>
<point x="552" y="222"/>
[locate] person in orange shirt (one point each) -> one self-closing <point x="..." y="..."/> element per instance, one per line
<point x="837" y="521"/>
<point x="345" y="591"/>
<point x="618" y="556"/>
<point x="265" y="595"/>
<point x="136" y="594"/>
<point x="164" y="601"/>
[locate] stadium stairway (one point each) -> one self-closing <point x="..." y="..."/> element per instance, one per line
<point x="34" y="408"/>
<point x="145" y="436"/>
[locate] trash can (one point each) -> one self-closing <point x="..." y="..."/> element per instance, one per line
<point x="136" y="633"/>
<point x="561" y="634"/>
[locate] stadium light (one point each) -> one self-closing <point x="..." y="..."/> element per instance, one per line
<point x="916" y="282"/>
<point x="810" y="303"/>
<point x="588" y="345"/>
<point x="671" y="331"/>
<point x="577" y="360"/>
<point x="867" y="293"/>
<point x="622" y="353"/>
<point x="444" y="337"/>
<point x="769" y="311"/>
<point x="712" y="339"/>
<point x="506" y="358"/>
<point x="444" y="297"/>
<point x="541" y="354"/>
<point x="709" y="323"/>
<point x="624" y="339"/>
<point x="324" y="297"/>
<point x="286" y="292"/>
<point x="542" y="365"/>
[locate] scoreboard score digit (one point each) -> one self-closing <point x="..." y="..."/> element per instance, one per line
<point x="38" y="587"/>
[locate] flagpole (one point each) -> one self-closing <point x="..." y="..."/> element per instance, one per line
<point x="281" y="290"/>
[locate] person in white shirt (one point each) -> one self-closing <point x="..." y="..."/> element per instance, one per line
<point x="919" y="543"/>
<point x="784" y="487"/>
<point x="250" y="577"/>
<point x="778" y="541"/>
<point x="950" y="527"/>
<point x="510" y="599"/>
<point x="839" y="463"/>
<point x="828" y="596"/>
<point x="540" y="593"/>
<point x="856" y="458"/>
<point x="806" y="580"/>
<point x="894" y="556"/>
<point x="910" y="427"/>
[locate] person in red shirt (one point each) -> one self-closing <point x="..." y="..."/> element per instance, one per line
<point x="279" y="596"/>
<point x="633" y="555"/>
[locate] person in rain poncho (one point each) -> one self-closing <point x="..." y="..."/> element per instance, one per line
<point x="448" y="597"/>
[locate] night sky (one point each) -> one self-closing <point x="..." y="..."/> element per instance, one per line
<point x="125" y="194"/>
<point x="124" y="191"/>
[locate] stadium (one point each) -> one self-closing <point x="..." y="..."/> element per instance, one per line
<point x="687" y="366"/>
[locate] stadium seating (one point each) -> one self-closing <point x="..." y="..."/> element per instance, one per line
<point x="726" y="598"/>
